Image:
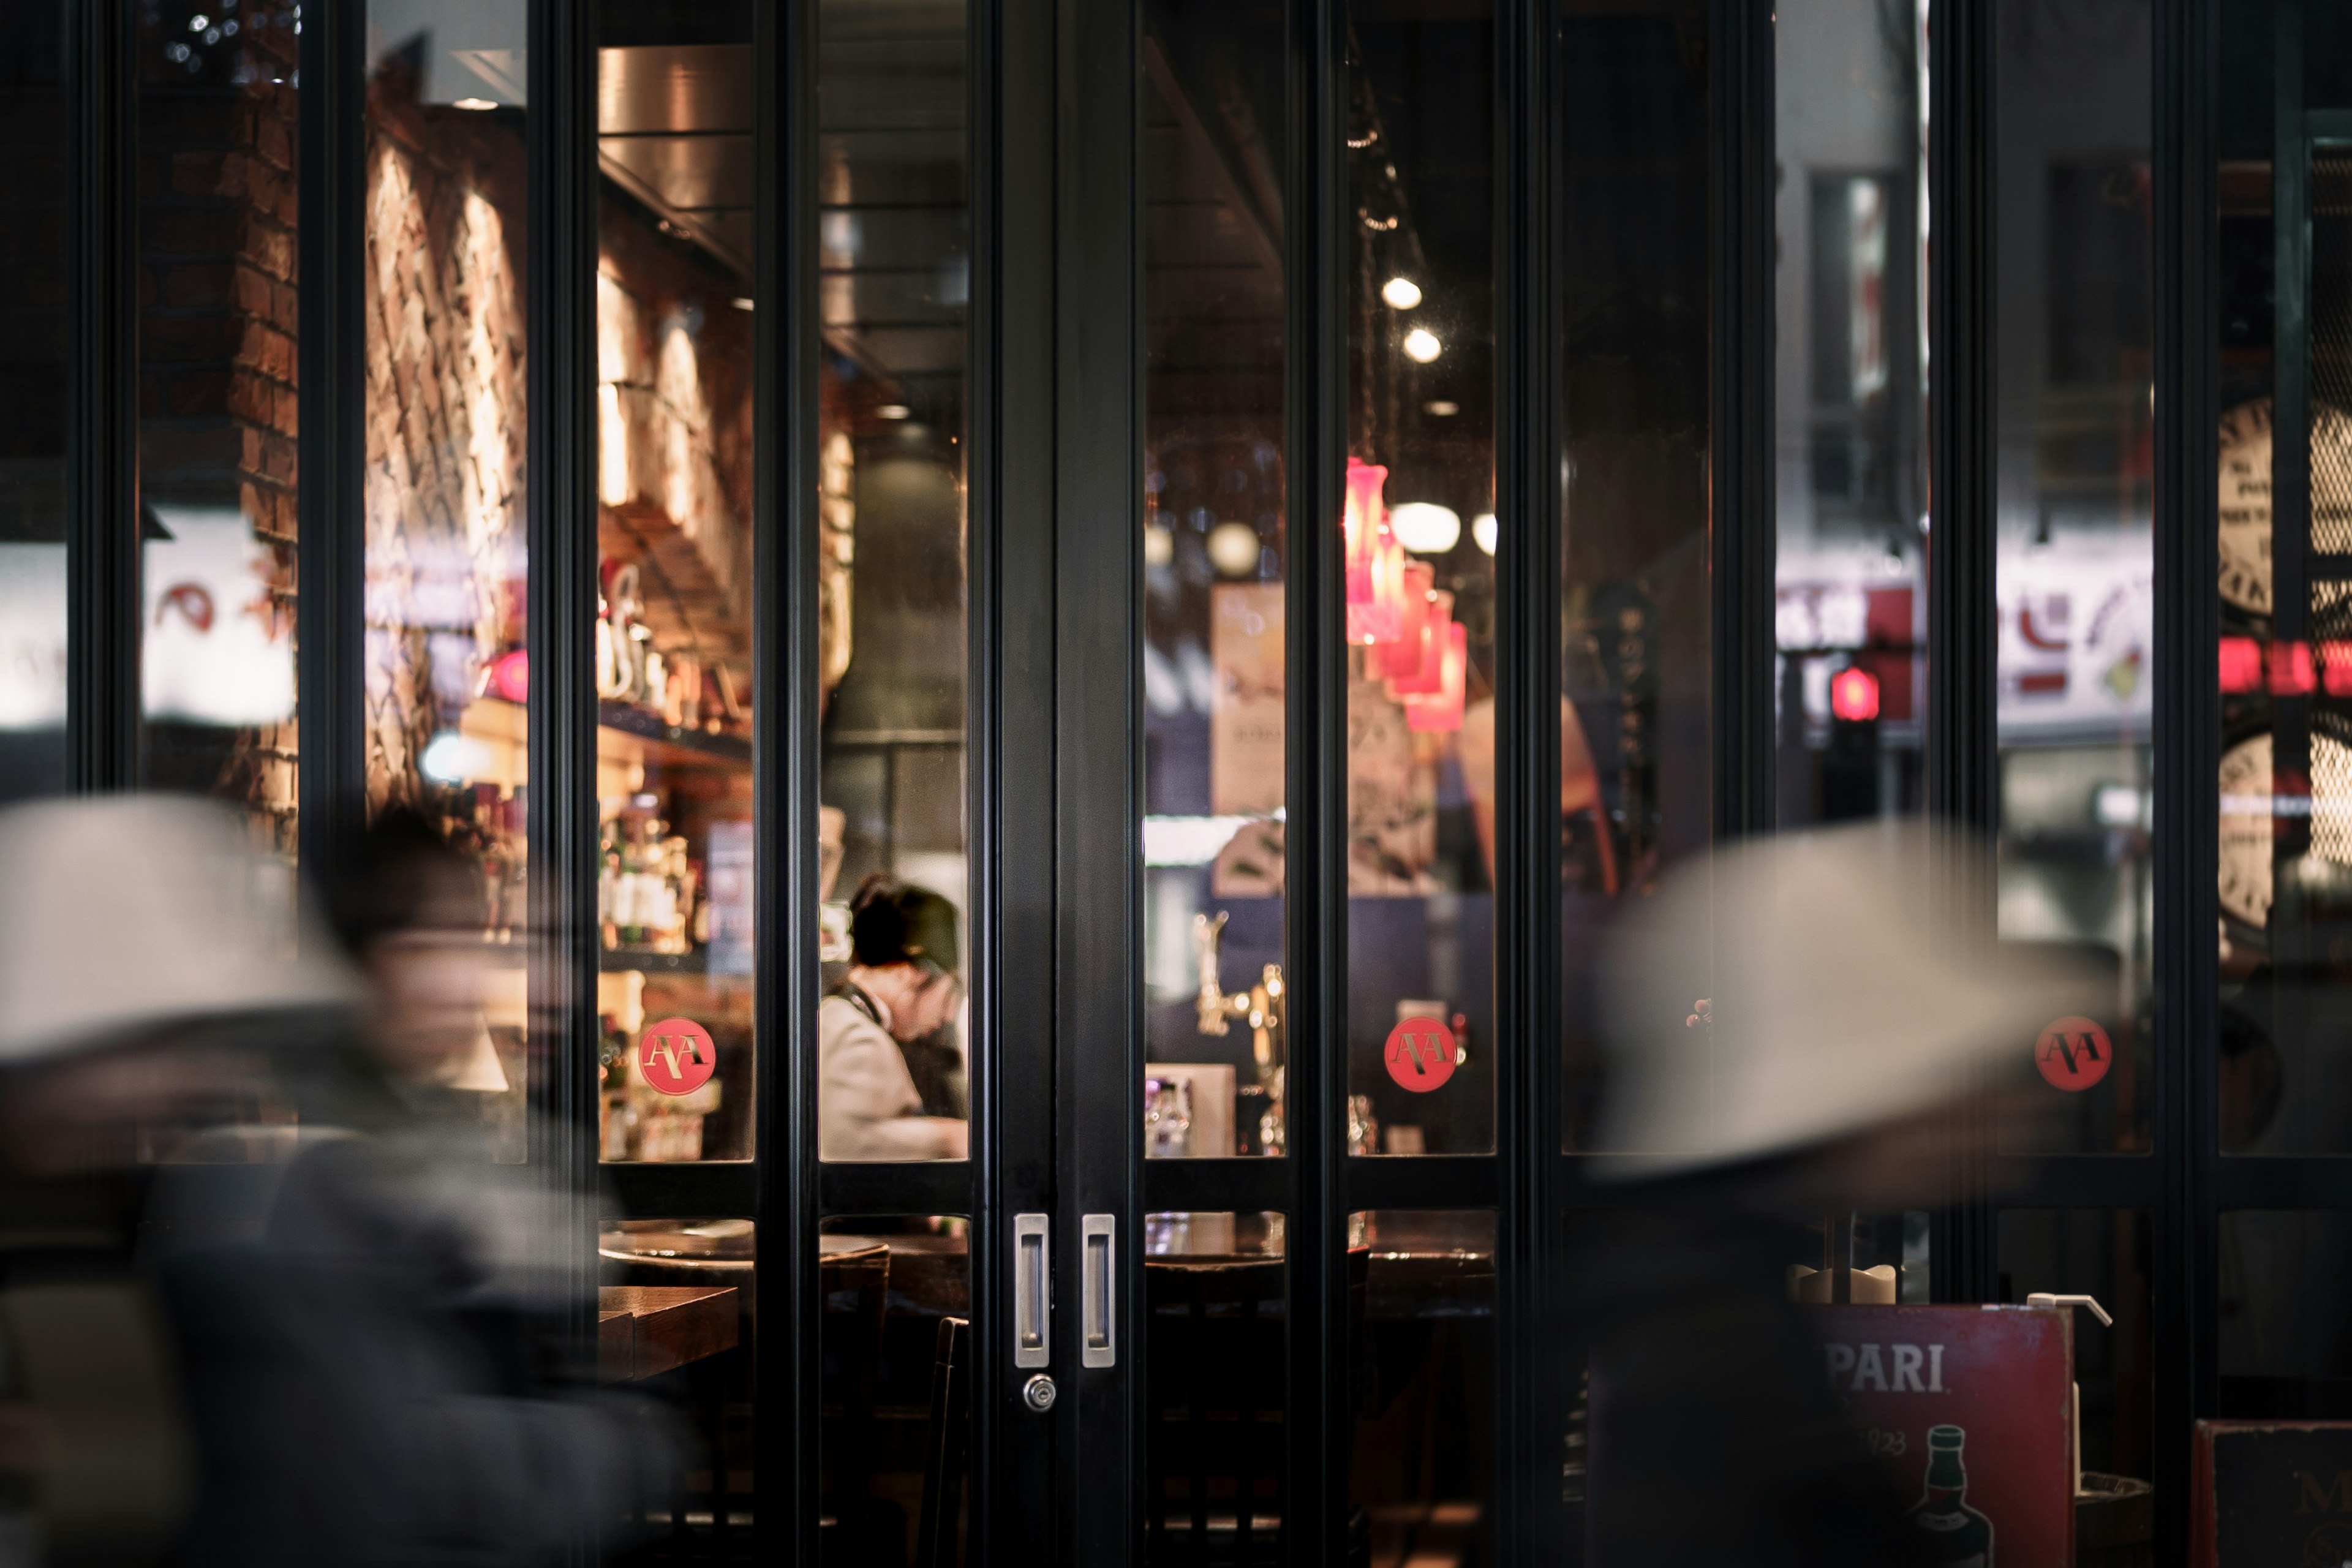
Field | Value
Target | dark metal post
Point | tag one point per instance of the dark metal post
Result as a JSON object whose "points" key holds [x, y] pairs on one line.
{"points": [[1740, 499], [561, 533], [787, 981], [1534, 1365], [2187, 742], [1315, 222], [102, 390], [333, 455], [1098, 755], [1014, 798], [1962, 761]]}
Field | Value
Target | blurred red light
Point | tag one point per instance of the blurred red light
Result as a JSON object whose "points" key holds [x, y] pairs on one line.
{"points": [[2291, 672], [1854, 695], [2242, 664]]}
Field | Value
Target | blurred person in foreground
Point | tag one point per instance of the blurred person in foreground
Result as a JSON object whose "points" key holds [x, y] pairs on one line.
{"points": [[1846, 1050], [900, 995], [350, 1355]]}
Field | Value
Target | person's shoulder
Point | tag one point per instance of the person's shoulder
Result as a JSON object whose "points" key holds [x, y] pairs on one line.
{"points": [[841, 1018]]}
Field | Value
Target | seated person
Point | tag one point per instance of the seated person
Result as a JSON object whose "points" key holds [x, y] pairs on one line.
{"points": [[902, 988]]}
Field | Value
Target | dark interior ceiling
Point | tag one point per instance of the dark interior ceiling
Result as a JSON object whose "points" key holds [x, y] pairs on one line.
{"points": [[676, 117]]}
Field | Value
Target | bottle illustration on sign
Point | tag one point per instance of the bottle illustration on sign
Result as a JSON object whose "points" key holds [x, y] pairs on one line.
{"points": [[1957, 1535]]}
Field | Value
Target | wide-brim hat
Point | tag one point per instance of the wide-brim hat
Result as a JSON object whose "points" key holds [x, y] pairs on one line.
{"points": [[1837, 999], [131, 913]]}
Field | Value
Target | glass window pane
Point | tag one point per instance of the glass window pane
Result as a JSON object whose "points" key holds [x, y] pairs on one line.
{"points": [[1214, 552], [1422, 1467], [444, 712], [1635, 726], [2283, 872], [2076, 553], [33, 328], [1850, 388], [894, 251], [895, 1389], [2103, 1254], [2284, 1351], [216, 405], [1214, 1459], [671, 1266], [675, 697], [1420, 533]]}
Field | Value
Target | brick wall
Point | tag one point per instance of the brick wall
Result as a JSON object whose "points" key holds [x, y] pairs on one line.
{"points": [[217, 316], [446, 418]]}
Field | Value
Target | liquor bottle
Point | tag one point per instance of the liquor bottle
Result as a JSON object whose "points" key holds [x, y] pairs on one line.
{"points": [[1957, 1534]]}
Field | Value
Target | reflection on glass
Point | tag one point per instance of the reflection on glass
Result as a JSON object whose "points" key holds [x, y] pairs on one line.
{"points": [[895, 1396], [32, 410], [216, 405], [2076, 557], [1635, 654], [696, 1356], [2285, 576], [1214, 1459], [1420, 538], [2103, 1254], [895, 258], [1423, 1463], [443, 522], [676, 562], [2283, 1351], [1851, 389], [1213, 553]]}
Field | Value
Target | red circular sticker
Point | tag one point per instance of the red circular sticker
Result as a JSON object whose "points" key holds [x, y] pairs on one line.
{"points": [[1421, 1054], [2073, 1053], [676, 1056]]}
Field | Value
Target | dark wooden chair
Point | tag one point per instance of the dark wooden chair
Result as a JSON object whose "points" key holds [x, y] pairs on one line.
{"points": [[1214, 1388], [939, 1539]]}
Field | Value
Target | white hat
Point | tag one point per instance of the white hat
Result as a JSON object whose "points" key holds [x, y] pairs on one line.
{"points": [[126, 913], [1834, 1005]]}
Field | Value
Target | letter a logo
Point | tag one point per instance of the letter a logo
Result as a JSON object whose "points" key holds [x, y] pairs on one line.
{"points": [[1421, 1054], [2073, 1053], [677, 1055]]}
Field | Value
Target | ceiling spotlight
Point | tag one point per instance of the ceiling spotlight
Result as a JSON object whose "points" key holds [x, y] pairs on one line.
{"points": [[1402, 293], [743, 302], [1483, 528], [1421, 345], [1425, 527], [475, 103], [1440, 409], [892, 411]]}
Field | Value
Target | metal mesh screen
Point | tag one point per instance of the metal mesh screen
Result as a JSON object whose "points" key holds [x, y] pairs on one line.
{"points": [[2331, 351]]}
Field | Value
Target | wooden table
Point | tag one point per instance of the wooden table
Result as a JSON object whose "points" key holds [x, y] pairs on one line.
{"points": [[642, 1330]]}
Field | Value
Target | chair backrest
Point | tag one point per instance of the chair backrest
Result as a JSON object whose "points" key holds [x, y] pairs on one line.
{"points": [[938, 1535], [853, 1283], [1213, 1394]]}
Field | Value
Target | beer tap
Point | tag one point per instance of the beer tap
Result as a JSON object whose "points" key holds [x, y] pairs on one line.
{"points": [[1262, 1007]]}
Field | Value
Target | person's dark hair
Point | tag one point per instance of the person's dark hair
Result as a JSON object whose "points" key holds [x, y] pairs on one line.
{"points": [[892, 921], [398, 874]]}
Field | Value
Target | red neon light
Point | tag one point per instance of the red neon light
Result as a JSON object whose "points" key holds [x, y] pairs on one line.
{"points": [[1854, 694], [2291, 671], [2336, 667], [2242, 664]]}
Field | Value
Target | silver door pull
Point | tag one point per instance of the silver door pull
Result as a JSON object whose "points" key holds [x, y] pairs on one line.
{"points": [[1101, 1345], [1033, 1290]]}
